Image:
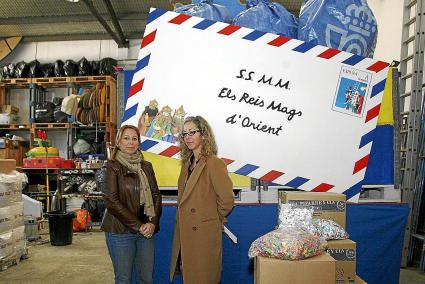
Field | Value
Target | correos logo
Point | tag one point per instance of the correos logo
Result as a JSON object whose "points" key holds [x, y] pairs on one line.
{"points": [[350, 254], [340, 205]]}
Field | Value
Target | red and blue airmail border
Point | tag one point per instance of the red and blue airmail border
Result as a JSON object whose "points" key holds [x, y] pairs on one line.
{"points": [[324, 143]]}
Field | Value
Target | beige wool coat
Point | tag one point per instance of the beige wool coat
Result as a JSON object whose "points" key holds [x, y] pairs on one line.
{"points": [[203, 204]]}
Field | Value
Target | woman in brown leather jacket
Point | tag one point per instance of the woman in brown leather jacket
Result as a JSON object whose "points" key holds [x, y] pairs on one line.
{"points": [[133, 209]]}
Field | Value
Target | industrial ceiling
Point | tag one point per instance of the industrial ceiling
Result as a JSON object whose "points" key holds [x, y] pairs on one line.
{"points": [[56, 20]]}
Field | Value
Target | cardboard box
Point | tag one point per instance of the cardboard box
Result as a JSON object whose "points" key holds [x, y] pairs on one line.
{"points": [[9, 109], [318, 269], [13, 150], [8, 118], [326, 205], [359, 280], [344, 252], [7, 166], [52, 162], [97, 165]]}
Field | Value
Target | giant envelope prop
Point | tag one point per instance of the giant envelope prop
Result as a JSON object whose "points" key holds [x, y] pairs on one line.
{"points": [[282, 110]]}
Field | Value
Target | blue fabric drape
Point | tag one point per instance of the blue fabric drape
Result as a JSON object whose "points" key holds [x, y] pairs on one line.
{"points": [[378, 230]]}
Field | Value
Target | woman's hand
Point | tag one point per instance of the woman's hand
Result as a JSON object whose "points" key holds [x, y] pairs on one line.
{"points": [[147, 230]]}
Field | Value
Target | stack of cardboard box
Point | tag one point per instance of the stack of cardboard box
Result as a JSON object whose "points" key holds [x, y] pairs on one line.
{"points": [[9, 109], [338, 265], [12, 229]]}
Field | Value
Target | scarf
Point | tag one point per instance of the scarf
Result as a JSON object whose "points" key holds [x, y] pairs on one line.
{"points": [[132, 162]]}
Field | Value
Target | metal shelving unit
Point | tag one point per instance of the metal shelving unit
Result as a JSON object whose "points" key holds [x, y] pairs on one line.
{"points": [[411, 118]]}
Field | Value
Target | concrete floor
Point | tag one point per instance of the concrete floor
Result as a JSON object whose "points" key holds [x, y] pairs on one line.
{"points": [[411, 276], [86, 260]]}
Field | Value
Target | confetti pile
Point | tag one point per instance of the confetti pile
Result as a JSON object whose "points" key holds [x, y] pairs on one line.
{"points": [[329, 230], [288, 244], [290, 217]]}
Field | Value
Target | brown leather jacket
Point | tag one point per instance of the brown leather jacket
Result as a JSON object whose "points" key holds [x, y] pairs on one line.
{"points": [[123, 213]]}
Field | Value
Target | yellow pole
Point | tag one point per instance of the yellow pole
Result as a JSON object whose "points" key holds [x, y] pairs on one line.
{"points": [[47, 178]]}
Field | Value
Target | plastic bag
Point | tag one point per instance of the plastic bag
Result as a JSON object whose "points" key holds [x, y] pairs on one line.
{"points": [[47, 70], [9, 71], [59, 72], [288, 244], [266, 16], [6, 244], [35, 70], [96, 209], [347, 25], [6, 72], [290, 217], [84, 67], [106, 66], [21, 70], [329, 230], [59, 116], [57, 101], [81, 221], [208, 10], [44, 112], [95, 68], [70, 68], [81, 147]]}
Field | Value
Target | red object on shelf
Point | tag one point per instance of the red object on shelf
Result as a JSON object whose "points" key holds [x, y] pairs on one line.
{"points": [[68, 164], [53, 162], [41, 134]]}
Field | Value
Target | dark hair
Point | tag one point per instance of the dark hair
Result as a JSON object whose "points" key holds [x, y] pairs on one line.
{"points": [[118, 138], [209, 147]]}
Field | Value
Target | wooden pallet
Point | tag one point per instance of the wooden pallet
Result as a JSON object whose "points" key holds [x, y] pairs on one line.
{"points": [[15, 126], [15, 82], [90, 79], [51, 125], [50, 80], [5, 264]]}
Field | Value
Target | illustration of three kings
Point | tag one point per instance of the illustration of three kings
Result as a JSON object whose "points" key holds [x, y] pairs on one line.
{"points": [[161, 125]]}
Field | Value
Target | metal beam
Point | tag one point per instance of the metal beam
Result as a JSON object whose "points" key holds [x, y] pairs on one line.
{"points": [[89, 4], [115, 22], [69, 37], [46, 19], [69, 19]]}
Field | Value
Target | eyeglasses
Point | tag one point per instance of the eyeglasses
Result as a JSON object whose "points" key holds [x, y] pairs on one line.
{"points": [[190, 133]]}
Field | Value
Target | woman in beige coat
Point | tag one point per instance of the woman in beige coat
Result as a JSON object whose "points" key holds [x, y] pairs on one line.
{"points": [[205, 198]]}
